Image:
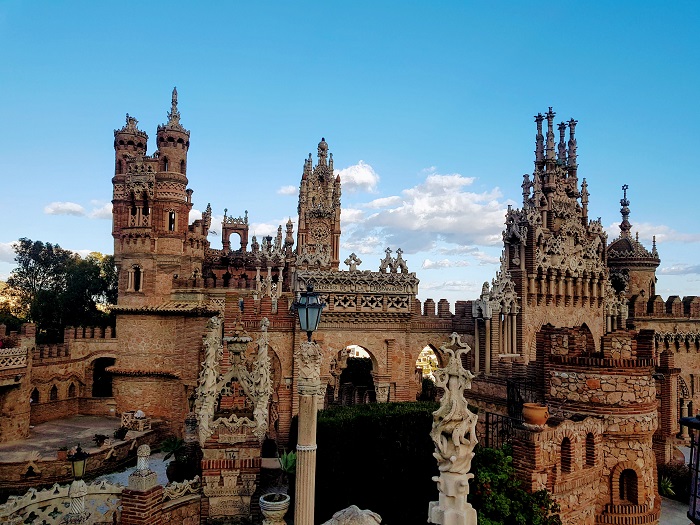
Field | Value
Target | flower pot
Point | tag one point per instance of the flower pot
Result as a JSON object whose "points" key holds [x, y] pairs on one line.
{"points": [[273, 506], [535, 414]]}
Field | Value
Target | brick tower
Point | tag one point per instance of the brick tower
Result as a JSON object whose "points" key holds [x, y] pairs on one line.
{"points": [[153, 241], [318, 238]]}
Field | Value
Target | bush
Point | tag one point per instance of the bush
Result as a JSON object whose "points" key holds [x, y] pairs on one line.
{"points": [[365, 450], [675, 476]]}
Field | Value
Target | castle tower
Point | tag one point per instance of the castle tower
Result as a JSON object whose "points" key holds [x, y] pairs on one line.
{"points": [[153, 241], [318, 236], [632, 266], [553, 267]]}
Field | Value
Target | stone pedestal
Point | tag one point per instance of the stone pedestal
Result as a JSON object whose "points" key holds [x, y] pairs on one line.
{"points": [[452, 507]]}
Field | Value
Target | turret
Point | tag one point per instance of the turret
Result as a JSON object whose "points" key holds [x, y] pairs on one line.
{"points": [[173, 142], [129, 142]]}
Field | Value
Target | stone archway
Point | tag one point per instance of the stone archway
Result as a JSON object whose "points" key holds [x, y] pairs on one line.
{"points": [[353, 371]]}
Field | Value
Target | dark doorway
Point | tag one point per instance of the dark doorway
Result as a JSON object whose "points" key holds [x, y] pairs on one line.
{"points": [[101, 379]]}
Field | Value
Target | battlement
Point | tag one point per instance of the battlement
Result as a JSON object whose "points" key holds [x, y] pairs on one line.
{"points": [[656, 306], [88, 332]]}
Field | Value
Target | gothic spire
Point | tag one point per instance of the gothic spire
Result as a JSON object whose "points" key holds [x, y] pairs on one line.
{"points": [[550, 135], [561, 147], [174, 114], [539, 141]]}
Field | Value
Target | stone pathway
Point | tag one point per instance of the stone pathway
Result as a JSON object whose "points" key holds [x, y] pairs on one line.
{"points": [[46, 438], [673, 512]]}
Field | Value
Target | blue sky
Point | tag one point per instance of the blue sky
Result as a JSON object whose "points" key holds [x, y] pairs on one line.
{"points": [[427, 107]]}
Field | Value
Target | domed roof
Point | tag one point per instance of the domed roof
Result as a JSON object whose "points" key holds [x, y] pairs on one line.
{"points": [[627, 250]]}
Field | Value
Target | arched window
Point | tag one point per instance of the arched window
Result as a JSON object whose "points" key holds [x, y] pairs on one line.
{"points": [[566, 455], [171, 221], [53, 393], [119, 166], [34, 397], [590, 450], [182, 167], [628, 486], [71, 390], [101, 378], [165, 163]]}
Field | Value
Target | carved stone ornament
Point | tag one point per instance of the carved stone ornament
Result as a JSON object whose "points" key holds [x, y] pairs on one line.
{"points": [[454, 435], [308, 356], [256, 382]]}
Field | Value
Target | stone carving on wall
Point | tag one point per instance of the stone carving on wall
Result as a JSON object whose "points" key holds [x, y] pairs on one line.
{"points": [[338, 364], [357, 282], [454, 435], [353, 261], [503, 297], [393, 265], [255, 381], [177, 490], [308, 356]]}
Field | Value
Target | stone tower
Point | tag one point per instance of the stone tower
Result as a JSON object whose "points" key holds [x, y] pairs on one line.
{"points": [[632, 266], [153, 240], [318, 236]]}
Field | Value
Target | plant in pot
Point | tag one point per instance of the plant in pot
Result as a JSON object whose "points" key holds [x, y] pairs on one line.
{"points": [[121, 432], [274, 504], [100, 439], [187, 459]]}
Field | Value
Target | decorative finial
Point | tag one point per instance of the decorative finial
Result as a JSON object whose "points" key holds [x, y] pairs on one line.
{"points": [[322, 152], [174, 114], [550, 134], [572, 143], [539, 140], [625, 225], [562, 143]]}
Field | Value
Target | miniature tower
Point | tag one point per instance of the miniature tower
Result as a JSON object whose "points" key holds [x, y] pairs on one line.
{"points": [[153, 241], [318, 237]]}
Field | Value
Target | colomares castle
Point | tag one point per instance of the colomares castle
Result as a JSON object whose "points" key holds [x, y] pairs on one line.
{"points": [[205, 336]]}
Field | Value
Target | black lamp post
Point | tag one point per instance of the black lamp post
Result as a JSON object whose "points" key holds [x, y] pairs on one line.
{"points": [[309, 309], [78, 489], [79, 462], [693, 423]]}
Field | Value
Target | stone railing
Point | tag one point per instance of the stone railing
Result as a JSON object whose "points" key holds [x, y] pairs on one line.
{"points": [[13, 358], [49, 506]]}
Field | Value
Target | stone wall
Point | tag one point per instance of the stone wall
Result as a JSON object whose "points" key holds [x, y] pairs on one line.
{"points": [[601, 388]]}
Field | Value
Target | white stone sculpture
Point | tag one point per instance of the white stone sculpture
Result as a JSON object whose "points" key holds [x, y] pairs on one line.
{"points": [[353, 515], [454, 435]]}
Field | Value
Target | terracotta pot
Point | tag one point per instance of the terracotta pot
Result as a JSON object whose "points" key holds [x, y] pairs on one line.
{"points": [[535, 414], [274, 506]]}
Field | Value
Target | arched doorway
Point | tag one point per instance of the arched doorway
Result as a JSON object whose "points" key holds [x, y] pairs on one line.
{"points": [[101, 378], [426, 365], [352, 381]]}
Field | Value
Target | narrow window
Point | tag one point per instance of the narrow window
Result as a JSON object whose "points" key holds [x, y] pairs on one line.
{"points": [[34, 398], [182, 167], [53, 393], [137, 279], [566, 455], [165, 163], [119, 166], [590, 450], [171, 221], [71, 390]]}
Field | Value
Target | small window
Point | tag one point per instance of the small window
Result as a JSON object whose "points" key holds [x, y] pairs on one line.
{"points": [[171, 221], [590, 450], [53, 393], [182, 167], [71, 390], [34, 398], [165, 163], [628, 486], [566, 455], [137, 279], [119, 166]]}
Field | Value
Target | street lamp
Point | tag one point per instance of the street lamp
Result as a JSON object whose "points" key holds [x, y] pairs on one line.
{"points": [[694, 505], [78, 489], [309, 310], [308, 359]]}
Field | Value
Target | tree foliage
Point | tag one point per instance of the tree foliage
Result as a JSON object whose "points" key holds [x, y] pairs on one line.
{"points": [[56, 288]]}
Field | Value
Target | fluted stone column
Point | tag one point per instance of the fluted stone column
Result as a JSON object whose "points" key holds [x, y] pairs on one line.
{"points": [[308, 357]]}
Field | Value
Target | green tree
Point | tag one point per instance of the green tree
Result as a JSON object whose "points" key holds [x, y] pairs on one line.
{"points": [[59, 288]]}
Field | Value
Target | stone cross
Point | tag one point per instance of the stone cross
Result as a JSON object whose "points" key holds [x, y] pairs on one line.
{"points": [[353, 262]]}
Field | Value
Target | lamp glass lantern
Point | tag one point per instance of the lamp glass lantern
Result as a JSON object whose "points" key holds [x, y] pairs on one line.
{"points": [[309, 309], [79, 462], [693, 423]]}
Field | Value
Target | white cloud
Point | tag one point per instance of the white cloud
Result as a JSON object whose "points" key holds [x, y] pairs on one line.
{"points": [[287, 190], [384, 202], [680, 269], [101, 212], [444, 263], [359, 177], [441, 209], [469, 287], [7, 252], [351, 216], [366, 245], [64, 208], [647, 232]]}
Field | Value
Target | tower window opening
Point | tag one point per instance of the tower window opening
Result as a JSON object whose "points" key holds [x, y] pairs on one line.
{"points": [[71, 390], [628, 486], [53, 393], [146, 209], [165, 163], [590, 450], [171, 221], [182, 167], [34, 397], [137, 279], [566, 455], [119, 167]]}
